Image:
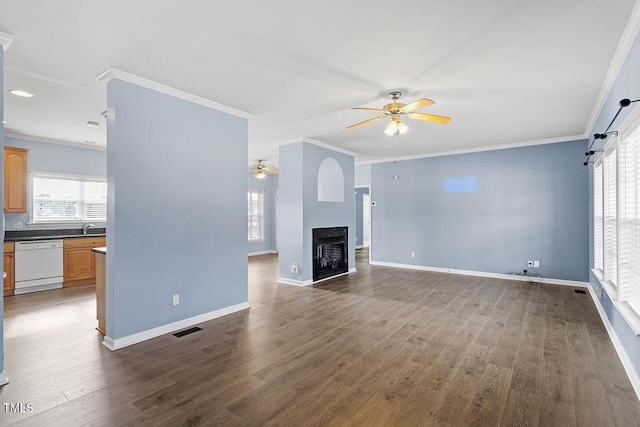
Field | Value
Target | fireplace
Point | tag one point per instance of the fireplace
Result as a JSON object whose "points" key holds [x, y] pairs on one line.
{"points": [[330, 252]]}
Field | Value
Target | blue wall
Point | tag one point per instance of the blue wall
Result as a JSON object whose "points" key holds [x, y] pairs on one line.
{"points": [[627, 85], [530, 204], [269, 185], [168, 158], [299, 164], [363, 174], [359, 220], [56, 158]]}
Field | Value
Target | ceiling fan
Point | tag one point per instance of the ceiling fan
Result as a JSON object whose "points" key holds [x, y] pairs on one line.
{"points": [[396, 109], [261, 169]]}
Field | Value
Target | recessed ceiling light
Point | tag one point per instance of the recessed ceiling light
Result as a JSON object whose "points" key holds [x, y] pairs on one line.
{"points": [[21, 93], [93, 124], [3, 122]]}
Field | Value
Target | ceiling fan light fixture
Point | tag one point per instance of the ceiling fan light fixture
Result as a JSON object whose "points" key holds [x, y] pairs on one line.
{"points": [[402, 128], [392, 128], [260, 174]]}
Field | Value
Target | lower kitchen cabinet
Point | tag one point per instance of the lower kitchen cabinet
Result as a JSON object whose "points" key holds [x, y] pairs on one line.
{"points": [[80, 261], [9, 267]]}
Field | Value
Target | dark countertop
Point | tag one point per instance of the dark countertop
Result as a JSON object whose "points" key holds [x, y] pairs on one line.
{"points": [[21, 236], [102, 250]]}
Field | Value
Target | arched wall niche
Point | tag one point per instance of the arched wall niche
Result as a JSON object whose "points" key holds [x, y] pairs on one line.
{"points": [[330, 181]]}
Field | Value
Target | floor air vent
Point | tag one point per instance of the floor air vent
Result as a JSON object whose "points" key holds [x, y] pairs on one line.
{"points": [[187, 332], [579, 291]]}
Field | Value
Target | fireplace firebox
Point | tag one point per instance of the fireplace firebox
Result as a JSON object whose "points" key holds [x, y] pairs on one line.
{"points": [[330, 252]]}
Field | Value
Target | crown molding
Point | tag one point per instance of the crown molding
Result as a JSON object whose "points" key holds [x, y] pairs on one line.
{"points": [[479, 149], [628, 37], [24, 137], [5, 40], [319, 144], [112, 73]]}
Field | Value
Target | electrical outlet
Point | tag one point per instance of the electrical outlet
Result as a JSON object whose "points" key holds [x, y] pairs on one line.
{"points": [[413, 254], [176, 299], [294, 268], [529, 263], [17, 224], [536, 264]]}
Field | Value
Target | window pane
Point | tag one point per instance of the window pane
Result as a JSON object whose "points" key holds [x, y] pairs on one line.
{"points": [[68, 199]]}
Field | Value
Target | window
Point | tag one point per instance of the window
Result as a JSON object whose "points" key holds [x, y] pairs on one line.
{"points": [[598, 219], [616, 195], [66, 198], [629, 259], [255, 200], [610, 218]]}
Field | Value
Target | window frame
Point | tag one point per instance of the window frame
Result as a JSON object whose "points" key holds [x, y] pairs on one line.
{"points": [[74, 177], [629, 127], [260, 215]]}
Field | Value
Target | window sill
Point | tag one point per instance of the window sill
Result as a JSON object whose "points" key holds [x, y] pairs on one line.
{"points": [[72, 223], [257, 241], [627, 313]]}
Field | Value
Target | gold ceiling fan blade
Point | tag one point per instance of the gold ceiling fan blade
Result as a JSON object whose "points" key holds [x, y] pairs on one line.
{"points": [[366, 122], [270, 170], [378, 110], [430, 117], [416, 104]]}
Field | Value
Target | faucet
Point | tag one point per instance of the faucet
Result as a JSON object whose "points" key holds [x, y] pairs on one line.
{"points": [[86, 226]]}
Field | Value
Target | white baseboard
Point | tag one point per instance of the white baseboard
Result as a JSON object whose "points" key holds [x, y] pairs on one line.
{"points": [[262, 253], [480, 274], [114, 344], [310, 282], [3, 378], [617, 344], [290, 281]]}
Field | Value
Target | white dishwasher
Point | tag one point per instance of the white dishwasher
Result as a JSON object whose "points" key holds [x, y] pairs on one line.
{"points": [[38, 266]]}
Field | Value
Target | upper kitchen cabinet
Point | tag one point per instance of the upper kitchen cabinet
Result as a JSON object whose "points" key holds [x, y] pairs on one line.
{"points": [[15, 179]]}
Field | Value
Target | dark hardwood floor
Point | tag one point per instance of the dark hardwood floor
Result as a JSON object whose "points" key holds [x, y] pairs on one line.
{"points": [[379, 347]]}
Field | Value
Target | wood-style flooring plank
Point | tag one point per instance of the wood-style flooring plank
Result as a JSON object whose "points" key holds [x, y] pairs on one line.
{"points": [[383, 346]]}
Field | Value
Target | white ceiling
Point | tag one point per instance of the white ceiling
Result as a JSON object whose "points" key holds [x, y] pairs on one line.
{"points": [[506, 71]]}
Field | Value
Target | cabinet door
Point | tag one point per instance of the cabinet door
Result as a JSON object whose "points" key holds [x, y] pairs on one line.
{"points": [[15, 180], [9, 283], [79, 265]]}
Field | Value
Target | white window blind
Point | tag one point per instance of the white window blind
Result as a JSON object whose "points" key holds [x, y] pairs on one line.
{"points": [[57, 198], [610, 217], [629, 250], [255, 199], [597, 218]]}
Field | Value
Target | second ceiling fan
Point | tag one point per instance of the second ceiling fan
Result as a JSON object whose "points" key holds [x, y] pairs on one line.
{"points": [[397, 109]]}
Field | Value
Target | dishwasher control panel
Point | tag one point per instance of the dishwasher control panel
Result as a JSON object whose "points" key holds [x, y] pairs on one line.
{"points": [[38, 244]]}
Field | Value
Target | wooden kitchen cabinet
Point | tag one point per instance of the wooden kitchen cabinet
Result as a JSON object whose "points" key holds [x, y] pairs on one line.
{"points": [[80, 261], [9, 268], [15, 179]]}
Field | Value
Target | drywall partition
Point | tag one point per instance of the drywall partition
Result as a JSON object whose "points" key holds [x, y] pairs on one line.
{"points": [[302, 212], [528, 203], [168, 158], [627, 85], [56, 158], [363, 174]]}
